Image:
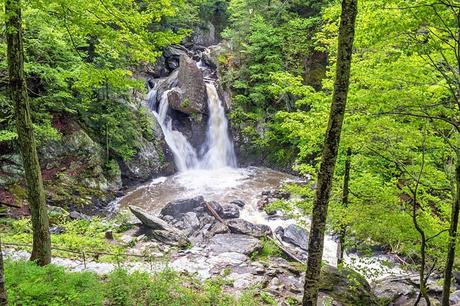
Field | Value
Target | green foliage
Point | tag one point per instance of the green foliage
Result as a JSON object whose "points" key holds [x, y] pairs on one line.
{"points": [[78, 235], [28, 284], [79, 61]]}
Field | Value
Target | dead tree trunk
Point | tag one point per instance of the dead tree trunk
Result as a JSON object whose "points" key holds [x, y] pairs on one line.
{"points": [[329, 154], [41, 252]]}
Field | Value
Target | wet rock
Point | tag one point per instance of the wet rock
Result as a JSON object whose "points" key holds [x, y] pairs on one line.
{"points": [[295, 235], [193, 96], [174, 238], [190, 222], [216, 228], [239, 203], [216, 207], [230, 211], [243, 244], [75, 215], [151, 221], [179, 207], [240, 226]]}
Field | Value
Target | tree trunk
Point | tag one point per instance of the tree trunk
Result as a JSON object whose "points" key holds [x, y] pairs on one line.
{"points": [[329, 154], [41, 251], [452, 236], [345, 193], [3, 298]]}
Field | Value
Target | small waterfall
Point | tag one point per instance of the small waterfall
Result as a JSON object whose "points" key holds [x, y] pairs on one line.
{"points": [[219, 152], [185, 155]]}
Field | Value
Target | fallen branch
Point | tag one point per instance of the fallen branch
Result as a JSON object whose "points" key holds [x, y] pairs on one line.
{"points": [[215, 214], [286, 251]]}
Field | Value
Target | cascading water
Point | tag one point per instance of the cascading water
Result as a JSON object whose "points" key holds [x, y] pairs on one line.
{"points": [[219, 152], [185, 155]]}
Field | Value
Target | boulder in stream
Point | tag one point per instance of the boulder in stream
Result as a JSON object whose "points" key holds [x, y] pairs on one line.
{"points": [[222, 243], [240, 226], [294, 235], [179, 207]]}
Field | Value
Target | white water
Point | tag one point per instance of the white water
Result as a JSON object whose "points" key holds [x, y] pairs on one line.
{"points": [[185, 155], [219, 152]]}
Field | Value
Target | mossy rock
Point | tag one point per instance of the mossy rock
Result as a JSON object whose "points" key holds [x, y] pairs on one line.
{"points": [[346, 286]]}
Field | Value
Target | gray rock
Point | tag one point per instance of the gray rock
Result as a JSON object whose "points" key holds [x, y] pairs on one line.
{"points": [[455, 298], [191, 222], [150, 220], [295, 235], [75, 215], [179, 207], [240, 226], [174, 238], [222, 243], [57, 230], [216, 207], [191, 82], [230, 211], [238, 203]]}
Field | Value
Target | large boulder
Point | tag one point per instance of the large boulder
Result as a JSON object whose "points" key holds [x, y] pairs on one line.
{"points": [[149, 220], [179, 207], [240, 226], [346, 286], [222, 243], [294, 235], [192, 96], [161, 230]]}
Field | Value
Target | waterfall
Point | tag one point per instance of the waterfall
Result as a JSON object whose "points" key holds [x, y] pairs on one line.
{"points": [[218, 148], [185, 155], [220, 152]]}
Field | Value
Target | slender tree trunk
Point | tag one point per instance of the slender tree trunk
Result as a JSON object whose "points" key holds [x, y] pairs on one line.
{"points": [[329, 154], [345, 193], [41, 251], [452, 236], [3, 298]]}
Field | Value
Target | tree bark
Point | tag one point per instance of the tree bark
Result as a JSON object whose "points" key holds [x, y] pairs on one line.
{"points": [[329, 154], [452, 236], [41, 251], [3, 297], [345, 193]]}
